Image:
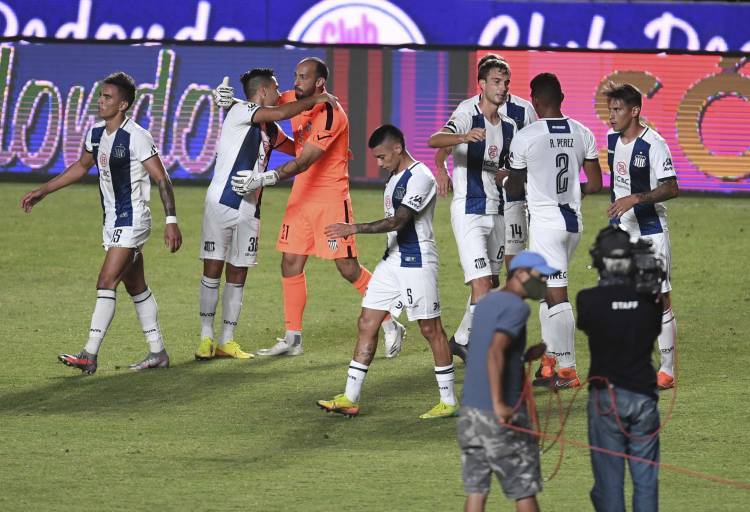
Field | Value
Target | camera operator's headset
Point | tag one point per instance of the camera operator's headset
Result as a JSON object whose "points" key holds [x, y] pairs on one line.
{"points": [[611, 242]]}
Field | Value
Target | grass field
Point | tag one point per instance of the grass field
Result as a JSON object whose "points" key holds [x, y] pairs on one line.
{"points": [[246, 435]]}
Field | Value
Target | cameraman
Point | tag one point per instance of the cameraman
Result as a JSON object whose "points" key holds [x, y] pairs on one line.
{"points": [[622, 318]]}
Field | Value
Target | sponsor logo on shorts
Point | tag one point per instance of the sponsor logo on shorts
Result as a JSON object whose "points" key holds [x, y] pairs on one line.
{"points": [[333, 244], [209, 246], [480, 263]]}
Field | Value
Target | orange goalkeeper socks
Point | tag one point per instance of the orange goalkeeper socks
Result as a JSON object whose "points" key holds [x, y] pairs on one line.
{"points": [[295, 298], [362, 281]]}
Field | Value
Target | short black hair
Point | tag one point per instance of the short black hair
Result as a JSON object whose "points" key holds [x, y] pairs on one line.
{"points": [[490, 64], [546, 88], [321, 68], [489, 56], [628, 93], [387, 131], [255, 78], [124, 83]]}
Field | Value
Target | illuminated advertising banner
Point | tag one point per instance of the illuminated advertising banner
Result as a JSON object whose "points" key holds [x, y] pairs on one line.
{"points": [[699, 103], [715, 27]]}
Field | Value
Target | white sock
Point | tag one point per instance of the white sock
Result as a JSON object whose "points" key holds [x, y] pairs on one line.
{"points": [[293, 338], [147, 312], [464, 329], [231, 305], [547, 337], [104, 312], [354, 380], [446, 378], [562, 328], [666, 342], [208, 298]]}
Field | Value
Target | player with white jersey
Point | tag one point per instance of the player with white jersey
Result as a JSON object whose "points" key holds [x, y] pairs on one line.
{"points": [[549, 155], [407, 273], [231, 222], [480, 142], [125, 156], [523, 113], [643, 177]]}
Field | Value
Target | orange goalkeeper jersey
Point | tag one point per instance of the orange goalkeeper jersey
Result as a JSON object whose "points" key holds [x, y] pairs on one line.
{"points": [[327, 179]]}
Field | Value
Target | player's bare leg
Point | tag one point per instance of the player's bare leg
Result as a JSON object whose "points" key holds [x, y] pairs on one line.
{"points": [[475, 502], [364, 352], [116, 262], [480, 287], [147, 312], [359, 276]]}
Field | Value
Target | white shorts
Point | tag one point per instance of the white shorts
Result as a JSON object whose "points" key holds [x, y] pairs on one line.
{"points": [[480, 240], [662, 249], [557, 247], [230, 235], [415, 288], [516, 227], [126, 236]]}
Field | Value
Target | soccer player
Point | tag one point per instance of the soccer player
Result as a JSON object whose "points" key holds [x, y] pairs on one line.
{"points": [[319, 197], [125, 156], [549, 154], [643, 177], [231, 222], [481, 141], [408, 272]]}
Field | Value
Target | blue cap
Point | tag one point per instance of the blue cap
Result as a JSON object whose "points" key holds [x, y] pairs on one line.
{"points": [[533, 260]]}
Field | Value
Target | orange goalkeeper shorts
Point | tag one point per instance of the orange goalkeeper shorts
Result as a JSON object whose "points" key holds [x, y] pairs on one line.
{"points": [[303, 229]]}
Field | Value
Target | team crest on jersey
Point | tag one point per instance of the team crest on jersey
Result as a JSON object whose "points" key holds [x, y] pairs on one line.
{"points": [[119, 151], [621, 169], [639, 160], [333, 244], [492, 151], [399, 193]]}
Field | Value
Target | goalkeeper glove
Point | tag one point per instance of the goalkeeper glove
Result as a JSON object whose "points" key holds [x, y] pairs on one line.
{"points": [[247, 181], [224, 94]]}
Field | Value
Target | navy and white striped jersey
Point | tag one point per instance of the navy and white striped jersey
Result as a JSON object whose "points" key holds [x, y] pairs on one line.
{"points": [[639, 166], [124, 183], [476, 163], [551, 153], [518, 109], [414, 244], [243, 145]]}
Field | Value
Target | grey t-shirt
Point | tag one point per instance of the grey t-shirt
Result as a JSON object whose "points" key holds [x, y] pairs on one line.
{"points": [[504, 312]]}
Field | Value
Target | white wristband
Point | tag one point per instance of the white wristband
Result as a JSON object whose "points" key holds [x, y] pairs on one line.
{"points": [[171, 219]]}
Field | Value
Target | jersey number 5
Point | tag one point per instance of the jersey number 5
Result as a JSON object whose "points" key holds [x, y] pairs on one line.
{"points": [[562, 162]]}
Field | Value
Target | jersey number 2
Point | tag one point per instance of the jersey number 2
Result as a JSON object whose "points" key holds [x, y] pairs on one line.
{"points": [[562, 162]]}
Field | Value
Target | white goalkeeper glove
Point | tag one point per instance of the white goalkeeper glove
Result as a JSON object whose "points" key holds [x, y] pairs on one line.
{"points": [[247, 181], [224, 94]]}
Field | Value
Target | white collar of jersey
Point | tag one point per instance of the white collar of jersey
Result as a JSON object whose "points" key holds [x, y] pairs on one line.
{"points": [[124, 122]]}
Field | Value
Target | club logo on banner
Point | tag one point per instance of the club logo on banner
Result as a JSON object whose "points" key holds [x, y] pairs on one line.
{"points": [[356, 22]]}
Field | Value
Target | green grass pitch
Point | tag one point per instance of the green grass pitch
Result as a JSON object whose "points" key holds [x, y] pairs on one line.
{"points": [[246, 435]]}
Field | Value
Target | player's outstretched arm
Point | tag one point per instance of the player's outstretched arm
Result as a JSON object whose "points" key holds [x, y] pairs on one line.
{"points": [[444, 184], [402, 216], [446, 138], [246, 181], [172, 234], [593, 173], [291, 109], [667, 189], [70, 175]]}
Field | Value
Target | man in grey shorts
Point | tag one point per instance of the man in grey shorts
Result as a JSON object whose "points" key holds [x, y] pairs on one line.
{"points": [[492, 392]]}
